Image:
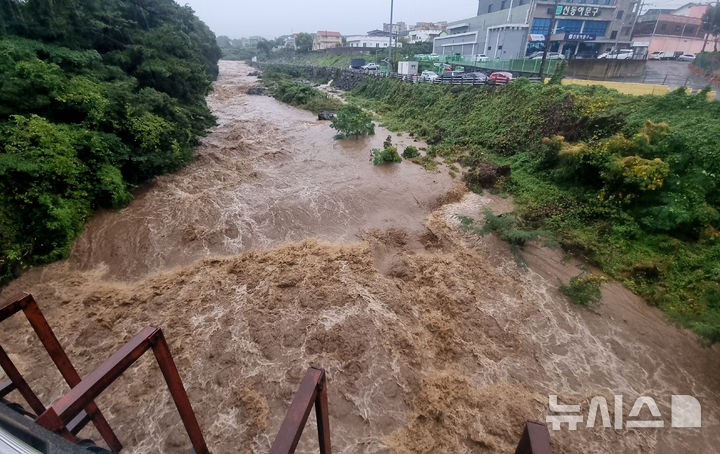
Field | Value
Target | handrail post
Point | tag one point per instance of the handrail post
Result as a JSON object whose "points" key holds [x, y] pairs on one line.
{"points": [[535, 439], [323, 417], [178, 393], [311, 392]]}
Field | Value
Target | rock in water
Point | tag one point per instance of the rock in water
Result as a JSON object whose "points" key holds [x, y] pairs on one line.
{"points": [[325, 115], [256, 90], [486, 174]]}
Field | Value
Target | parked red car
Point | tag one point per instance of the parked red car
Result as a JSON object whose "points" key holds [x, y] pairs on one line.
{"points": [[500, 77]]}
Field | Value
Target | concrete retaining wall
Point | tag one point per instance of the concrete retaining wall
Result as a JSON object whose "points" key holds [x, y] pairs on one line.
{"points": [[605, 69]]}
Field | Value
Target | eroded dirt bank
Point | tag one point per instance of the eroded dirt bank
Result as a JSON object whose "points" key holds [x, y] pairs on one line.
{"points": [[433, 340]]}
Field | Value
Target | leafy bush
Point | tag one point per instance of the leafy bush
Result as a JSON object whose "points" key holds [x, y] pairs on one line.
{"points": [[304, 96], [410, 152], [583, 289], [388, 154], [353, 121], [506, 226]]}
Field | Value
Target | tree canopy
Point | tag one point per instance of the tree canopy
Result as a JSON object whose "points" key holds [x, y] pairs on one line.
{"points": [[711, 23], [96, 96], [304, 42]]}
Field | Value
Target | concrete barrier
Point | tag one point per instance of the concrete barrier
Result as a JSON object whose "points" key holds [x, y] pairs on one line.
{"points": [[605, 69]]}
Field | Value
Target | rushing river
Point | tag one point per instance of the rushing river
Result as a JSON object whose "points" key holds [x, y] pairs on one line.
{"points": [[280, 247]]}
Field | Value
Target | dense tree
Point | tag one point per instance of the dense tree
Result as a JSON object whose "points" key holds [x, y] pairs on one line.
{"points": [[264, 47], [95, 96], [711, 24], [304, 42]]}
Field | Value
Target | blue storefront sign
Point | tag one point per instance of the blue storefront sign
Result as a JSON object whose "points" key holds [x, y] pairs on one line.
{"points": [[579, 37]]}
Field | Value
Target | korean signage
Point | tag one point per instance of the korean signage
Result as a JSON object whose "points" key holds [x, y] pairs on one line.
{"points": [[579, 37], [577, 11]]}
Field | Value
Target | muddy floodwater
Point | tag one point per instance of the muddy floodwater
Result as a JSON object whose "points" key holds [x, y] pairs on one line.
{"points": [[281, 248]]}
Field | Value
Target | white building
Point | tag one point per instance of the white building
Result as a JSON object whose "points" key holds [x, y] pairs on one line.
{"points": [[370, 41], [423, 36]]}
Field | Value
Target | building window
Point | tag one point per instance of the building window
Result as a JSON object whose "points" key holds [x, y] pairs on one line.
{"points": [[690, 30], [620, 14], [490, 7], [678, 28], [503, 4], [613, 34], [663, 27], [540, 26], [568, 26], [597, 28]]}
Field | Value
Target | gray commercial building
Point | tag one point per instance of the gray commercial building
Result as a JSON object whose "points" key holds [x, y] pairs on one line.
{"points": [[516, 28]]}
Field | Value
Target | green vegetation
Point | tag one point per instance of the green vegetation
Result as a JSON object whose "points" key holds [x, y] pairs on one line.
{"points": [[388, 154], [583, 289], [709, 62], [95, 97], [630, 183], [410, 152], [282, 83], [304, 42], [508, 228], [353, 121], [320, 59], [303, 96]]}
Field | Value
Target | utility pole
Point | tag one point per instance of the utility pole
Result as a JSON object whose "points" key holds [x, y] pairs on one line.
{"points": [[547, 40], [635, 19], [391, 36]]}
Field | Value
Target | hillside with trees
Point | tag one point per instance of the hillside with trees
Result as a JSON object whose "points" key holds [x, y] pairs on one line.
{"points": [[96, 97]]}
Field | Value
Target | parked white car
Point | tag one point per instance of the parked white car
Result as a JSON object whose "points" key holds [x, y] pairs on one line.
{"points": [[622, 54], [550, 56], [686, 57], [370, 67], [660, 55], [428, 76]]}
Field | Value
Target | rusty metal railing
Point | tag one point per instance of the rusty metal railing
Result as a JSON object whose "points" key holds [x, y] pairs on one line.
{"points": [[312, 392], [535, 439], [69, 414], [26, 303]]}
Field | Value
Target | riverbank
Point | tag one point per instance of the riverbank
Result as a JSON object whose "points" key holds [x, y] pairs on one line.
{"points": [[280, 247], [638, 199]]}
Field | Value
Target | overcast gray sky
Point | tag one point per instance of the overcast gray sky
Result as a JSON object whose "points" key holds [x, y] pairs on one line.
{"points": [[271, 18]]}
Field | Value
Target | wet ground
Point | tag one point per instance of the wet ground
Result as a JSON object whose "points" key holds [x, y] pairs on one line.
{"points": [[281, 247]]}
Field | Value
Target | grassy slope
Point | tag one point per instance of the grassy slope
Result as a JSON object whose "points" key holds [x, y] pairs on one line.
{"points": [[662, 243]]}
